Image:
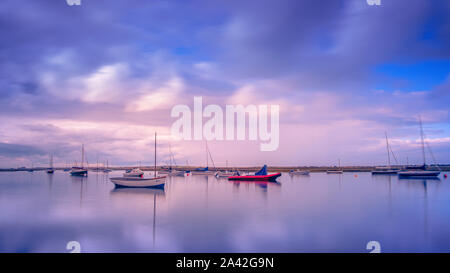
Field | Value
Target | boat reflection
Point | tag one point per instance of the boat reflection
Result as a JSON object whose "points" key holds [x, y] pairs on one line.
{"points": [[141, 197]]}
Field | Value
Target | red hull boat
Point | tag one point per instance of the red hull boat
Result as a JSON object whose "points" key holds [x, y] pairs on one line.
{"points": [[267, 177]]}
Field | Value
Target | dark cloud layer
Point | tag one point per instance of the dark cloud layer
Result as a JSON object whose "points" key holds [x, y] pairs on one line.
{"points": [[52, 56]]}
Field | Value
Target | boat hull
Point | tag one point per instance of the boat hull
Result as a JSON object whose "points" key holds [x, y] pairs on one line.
{"points": [[133, 175], [79, 173], [419, 174], [132, 182], [385, 172], [299, 173], [335, 172], [202, 172], [269, 177]]}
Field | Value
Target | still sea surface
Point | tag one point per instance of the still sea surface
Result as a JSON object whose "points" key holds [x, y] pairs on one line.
{"points": [[40, 212]]}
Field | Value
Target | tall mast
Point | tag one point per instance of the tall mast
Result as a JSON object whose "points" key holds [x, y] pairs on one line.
{"points": [[155, 154], [51, 161], [206, 148], [82, 155], [170, 155], [387, 147], [423, 142]]}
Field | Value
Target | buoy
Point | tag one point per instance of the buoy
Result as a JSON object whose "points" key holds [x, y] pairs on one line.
{"points": [[356, 175], [445, 175]]}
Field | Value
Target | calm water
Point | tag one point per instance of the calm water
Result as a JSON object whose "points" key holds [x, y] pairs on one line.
{"points": [[319, 213]]}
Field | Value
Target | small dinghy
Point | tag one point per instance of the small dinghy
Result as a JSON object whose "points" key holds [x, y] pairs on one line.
{"points": [[261, 175], [134, 173]]}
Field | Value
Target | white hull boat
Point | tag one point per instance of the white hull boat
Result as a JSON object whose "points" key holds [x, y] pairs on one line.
{"points": [[225, 174], [298, 172], [136, 182], [139, 181]]}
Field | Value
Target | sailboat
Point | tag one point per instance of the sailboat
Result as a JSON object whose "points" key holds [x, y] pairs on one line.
{"points": [[205, 171], [421, 172], [107, 170], [80, 171], [338, 171], [226, 173], [139, 182], [384, 170], [51, 170]]}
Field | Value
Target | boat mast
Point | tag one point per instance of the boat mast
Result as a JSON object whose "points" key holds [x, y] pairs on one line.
{"points": [[51, 161], [423, 142], [387, 147], [155, 154], [206, 149], [82, 155]]}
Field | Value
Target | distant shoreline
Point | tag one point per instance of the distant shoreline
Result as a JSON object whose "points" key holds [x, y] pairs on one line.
{"points": [[443, 167]]}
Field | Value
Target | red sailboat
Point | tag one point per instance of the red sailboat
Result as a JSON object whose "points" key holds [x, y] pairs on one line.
{"points": [[261, 175]]}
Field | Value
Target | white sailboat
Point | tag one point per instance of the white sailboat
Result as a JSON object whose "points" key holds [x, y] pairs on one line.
{"points": [[420, 173], [388, 169], [139, 182]]}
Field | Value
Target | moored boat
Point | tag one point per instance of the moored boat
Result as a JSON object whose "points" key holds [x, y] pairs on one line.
{"points": [[418, 174], [388, 169], [261, 175], [226, 174], [140, 182], [51, 170], [80, 171], [336, 171], [298, 172], [421, 172]]}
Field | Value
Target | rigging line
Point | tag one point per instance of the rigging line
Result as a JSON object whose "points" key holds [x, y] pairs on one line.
{"points": [[393, 155], [432, 156], [209, 152], [431, 153]]}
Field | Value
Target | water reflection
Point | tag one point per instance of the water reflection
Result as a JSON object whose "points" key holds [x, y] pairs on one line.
{"points": [[319, 213], [141, 196]]}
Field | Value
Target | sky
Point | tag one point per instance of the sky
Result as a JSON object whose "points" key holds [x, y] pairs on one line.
{"points": [[107, 73]]}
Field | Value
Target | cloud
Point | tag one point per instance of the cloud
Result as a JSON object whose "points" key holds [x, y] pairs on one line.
{"points": [[109, 75]]}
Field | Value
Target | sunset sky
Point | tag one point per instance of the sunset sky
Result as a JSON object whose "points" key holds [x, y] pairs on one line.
{"points": [[107, 74]]}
